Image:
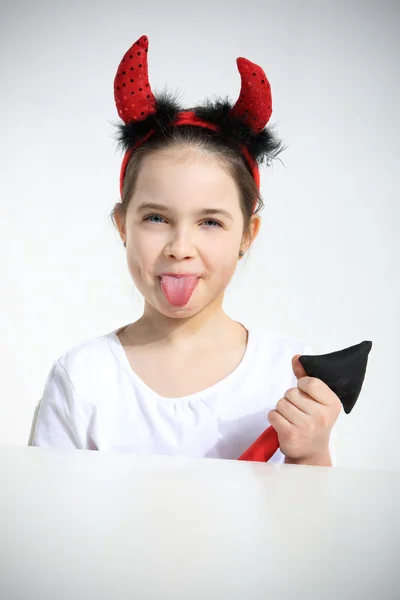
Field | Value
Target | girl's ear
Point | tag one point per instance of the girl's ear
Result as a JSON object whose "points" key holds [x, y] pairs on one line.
{"points": [[252, 232], [119, 219]]}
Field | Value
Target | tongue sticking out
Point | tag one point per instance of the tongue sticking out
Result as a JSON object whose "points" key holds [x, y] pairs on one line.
{"points": [[178, 290]]}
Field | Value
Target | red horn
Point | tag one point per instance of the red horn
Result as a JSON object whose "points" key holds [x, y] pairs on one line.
{"points": [[254, 105], [132, 92]]}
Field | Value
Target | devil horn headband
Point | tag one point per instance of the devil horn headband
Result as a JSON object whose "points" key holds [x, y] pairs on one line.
{"points": [[132, 92], [243, 123]]}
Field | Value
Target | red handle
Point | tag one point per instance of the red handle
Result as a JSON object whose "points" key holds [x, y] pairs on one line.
{"points": [[263, 448]]}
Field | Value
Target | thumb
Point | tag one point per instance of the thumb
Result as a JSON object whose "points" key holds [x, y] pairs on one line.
{"points": [[297, 367]]}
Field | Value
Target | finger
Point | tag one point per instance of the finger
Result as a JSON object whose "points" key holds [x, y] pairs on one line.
{"points": [[279, 422], [297, 367], [291, 413], [317, 390], [301, 400]]}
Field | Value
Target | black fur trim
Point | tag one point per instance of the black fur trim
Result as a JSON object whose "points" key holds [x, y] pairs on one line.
{"points": [[261, 146], [167, 108]]}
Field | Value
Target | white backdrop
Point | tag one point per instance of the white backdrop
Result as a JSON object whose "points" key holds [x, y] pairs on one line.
{"points": [[325, 267]]}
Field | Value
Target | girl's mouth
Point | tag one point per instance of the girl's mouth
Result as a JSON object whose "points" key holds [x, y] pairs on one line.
{"points": [[178, 289]]}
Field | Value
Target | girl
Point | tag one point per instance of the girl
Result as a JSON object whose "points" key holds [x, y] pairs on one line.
{"points": [[185, 378]]}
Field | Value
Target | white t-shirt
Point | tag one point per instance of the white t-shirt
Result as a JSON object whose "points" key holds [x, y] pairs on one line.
{"points": [[94, 400]]}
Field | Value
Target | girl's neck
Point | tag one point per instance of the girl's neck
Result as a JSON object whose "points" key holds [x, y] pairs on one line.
{"points": [[208, 325]]}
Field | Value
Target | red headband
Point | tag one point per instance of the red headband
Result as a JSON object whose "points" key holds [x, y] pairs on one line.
{"points": [[135, 100]]}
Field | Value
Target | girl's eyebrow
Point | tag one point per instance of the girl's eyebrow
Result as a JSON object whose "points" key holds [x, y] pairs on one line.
{"points": [[162, 207]]}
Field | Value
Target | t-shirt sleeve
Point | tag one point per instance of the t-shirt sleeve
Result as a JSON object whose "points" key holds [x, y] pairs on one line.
{"points": [[61, 421]]}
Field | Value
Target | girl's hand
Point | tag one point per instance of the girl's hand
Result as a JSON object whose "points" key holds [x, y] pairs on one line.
{"points": [[304, 417]]}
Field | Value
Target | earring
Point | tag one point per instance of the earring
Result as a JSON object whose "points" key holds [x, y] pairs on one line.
{"points": [[125, 244]]}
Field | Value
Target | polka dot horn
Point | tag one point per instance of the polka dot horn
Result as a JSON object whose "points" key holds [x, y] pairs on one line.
{"points": [[254, 105], [132, 92]]}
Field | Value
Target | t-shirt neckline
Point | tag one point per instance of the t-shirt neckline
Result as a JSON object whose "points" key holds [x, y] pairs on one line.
{"points": [[121, 356]]}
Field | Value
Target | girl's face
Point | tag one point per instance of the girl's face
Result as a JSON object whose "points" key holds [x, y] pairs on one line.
{"points": [[184, 219]]}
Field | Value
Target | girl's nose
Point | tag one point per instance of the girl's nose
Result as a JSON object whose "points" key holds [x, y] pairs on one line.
{"points": [[180, 246]]}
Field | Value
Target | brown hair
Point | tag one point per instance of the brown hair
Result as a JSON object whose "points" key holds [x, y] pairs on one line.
{"points": [[206, 141]]}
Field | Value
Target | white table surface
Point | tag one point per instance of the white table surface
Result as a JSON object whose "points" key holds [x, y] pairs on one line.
{"points": [[102, 526]]}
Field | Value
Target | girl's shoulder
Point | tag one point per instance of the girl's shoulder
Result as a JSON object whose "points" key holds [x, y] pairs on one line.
{"points": [[90, 353], [277, 341]]}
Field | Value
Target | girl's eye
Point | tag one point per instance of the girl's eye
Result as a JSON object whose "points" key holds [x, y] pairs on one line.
{"points": [[210, 223], [214, 223], [153, 217]]}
